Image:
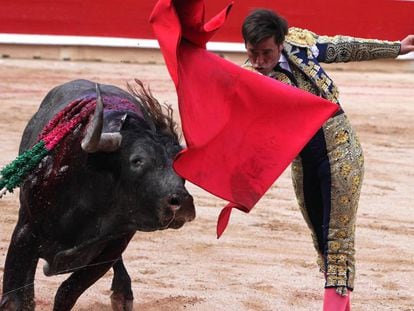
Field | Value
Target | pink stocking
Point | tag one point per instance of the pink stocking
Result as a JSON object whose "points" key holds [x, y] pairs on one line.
{"points": [[335, 302]]}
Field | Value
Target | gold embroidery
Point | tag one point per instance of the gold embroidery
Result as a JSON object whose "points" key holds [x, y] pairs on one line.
{"points": [[312, 72], [345, 48], [248, 66], [280, 76], [337, 154], [346, 162], [346, 169], [341, 137], [334, 246], [343, 219], [300, 37], [344, 200], [346, 165], [356, 181], [342, 234]]}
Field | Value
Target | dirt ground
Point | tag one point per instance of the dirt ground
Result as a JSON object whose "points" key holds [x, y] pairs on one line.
{"points": [[265, 260]]}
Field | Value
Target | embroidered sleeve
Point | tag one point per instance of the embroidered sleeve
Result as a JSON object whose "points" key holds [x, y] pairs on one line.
{"points": [[346, 49]]}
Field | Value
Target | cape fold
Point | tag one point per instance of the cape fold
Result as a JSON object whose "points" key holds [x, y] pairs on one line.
{"points": [[242, 129]]}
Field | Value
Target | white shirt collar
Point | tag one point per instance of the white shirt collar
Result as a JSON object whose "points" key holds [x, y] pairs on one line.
{"points": [[284, 62]]}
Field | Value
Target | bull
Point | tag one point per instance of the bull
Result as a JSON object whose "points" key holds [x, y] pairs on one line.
{"points": [[107, 179]]}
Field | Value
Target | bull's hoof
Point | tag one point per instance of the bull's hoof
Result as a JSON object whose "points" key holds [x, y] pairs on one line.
{"points": [[9, 304], [120, 303]]}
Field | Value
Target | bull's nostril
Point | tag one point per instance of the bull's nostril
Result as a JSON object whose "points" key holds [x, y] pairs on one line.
{"points": [[174, 201]]}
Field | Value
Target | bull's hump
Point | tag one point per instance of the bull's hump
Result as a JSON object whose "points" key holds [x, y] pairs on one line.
{"points": [[117, 103], [116, 99]]}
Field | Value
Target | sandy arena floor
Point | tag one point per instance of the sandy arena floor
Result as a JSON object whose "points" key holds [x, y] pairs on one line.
{"points": [[265, 260]]}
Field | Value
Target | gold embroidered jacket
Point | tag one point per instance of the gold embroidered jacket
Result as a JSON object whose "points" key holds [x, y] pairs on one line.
{"points": [[333, 235], [306, 50]]}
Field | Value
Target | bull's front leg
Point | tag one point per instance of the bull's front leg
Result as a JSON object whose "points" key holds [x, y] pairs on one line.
{"points": [[19, 270], [71, 289], [122, 297]]}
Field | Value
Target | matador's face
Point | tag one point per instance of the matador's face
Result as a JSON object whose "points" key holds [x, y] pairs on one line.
{"points": [[265, 55]]}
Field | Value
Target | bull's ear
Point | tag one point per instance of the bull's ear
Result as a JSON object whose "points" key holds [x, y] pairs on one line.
{"points": [[123, 120], [115, 124], [111, 140]]}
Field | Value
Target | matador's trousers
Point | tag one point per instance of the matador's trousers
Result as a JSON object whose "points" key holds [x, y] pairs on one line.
{"points": [[327, 177]]}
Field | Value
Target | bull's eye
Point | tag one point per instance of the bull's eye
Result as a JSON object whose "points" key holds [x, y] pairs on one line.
{"points": [[137, 162]]}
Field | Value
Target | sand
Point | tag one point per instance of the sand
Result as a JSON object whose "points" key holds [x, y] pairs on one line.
{"points": [[265, 260]]}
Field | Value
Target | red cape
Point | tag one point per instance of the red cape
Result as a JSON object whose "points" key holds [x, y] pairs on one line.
{"points": [[242, 129]]}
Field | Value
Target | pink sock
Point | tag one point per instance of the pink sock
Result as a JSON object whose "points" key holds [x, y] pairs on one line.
{"points": [[335, 302]]}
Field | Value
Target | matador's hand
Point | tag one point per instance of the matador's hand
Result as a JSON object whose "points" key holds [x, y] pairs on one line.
{"points": [[407, 45]]}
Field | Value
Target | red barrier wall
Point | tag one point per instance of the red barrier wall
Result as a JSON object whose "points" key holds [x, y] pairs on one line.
{"points": [[382, 19]]}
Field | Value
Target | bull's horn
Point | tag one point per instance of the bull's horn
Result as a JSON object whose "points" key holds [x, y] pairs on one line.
{"points": [[109, 142], [93, 133], [94, 140], [3, 192]]}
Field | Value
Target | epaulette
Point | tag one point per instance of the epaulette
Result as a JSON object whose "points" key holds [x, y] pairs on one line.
{"points": [[300, 37]]}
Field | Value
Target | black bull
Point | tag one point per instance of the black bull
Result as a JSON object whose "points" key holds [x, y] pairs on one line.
{"points": [[82, 205]]}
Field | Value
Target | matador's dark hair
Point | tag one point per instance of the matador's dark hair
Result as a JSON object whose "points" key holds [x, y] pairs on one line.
{"points": [[262, 24]]}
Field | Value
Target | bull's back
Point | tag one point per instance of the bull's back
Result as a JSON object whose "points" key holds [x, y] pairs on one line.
{"points": [[56, 100]]}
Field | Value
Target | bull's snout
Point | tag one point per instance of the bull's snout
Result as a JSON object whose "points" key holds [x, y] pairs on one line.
{"points": [[181, 205]]}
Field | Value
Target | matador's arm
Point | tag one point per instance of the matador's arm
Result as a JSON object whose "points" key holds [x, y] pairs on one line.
{"points": [[347, 49], [340, 48]]}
